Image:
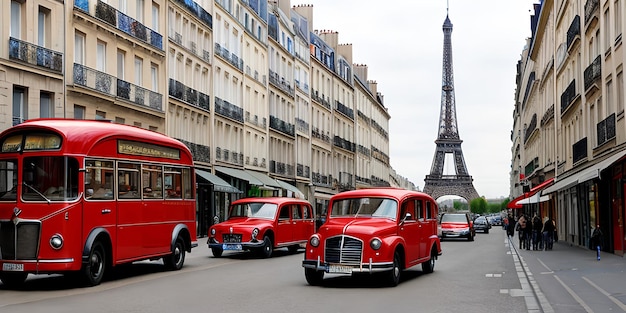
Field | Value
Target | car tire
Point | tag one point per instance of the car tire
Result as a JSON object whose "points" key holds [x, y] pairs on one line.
{"points": [[94, 269], [429, 266], [176, 259], [267, 249], [393, 276], [13, 280], [313, 277], [217, 252]]}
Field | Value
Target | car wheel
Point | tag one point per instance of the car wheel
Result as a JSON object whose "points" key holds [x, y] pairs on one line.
{"points": [[393, 278], [429, 266], [93, 271], [313, 277], [13, 280], [268, 247], [217, 252], [176, 260]]}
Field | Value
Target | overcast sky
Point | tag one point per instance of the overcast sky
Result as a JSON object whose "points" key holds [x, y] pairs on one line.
{"points": [[401, 42]]}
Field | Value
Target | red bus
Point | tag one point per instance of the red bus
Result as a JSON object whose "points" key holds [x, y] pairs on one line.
{"points": [[79, 196]]}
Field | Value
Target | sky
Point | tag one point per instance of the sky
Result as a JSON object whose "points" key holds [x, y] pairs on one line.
{"points": [[402, 45]]}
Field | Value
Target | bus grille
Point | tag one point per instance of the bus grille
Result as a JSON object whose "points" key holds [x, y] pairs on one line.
{"points": [[343, 249], [19, 242]]}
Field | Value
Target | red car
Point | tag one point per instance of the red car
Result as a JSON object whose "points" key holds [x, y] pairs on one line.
{"points": [[374, 230], [262, 225], [457, 225]]}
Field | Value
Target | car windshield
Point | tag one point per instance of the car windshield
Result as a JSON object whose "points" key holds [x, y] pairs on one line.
{"points": [[480, 220], [254, 209], [453, 218], [371, 207]]}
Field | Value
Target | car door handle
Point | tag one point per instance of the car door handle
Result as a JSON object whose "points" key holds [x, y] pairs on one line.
{"points": [[106, 211]]}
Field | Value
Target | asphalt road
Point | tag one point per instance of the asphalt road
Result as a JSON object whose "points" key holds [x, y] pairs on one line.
{"points": [[478, 276]]}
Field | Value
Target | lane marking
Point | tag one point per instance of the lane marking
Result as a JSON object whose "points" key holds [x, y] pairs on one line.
{"points": [[574, 295], [608, 295]]}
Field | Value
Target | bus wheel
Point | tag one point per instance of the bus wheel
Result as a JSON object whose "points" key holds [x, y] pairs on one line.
{"points": [[176, 260], [13, 279], [93, 271]]}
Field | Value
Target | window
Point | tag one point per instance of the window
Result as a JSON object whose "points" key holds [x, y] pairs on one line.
{"points": [[120, 120], [101, 56], [20, 105], [16, 19], [609, 96], [99, 180], [618, 19], [50, 178], [121, 56], [46, 107], [42, 26], [420, 209], [79, 112], [128, 181], [122, 6], [152, 182], [100, 115], [620, 92], [296, 213], [607, 30], [154, 77], [79, 48], [140, 6], [173, 183], [138, 71], [429, 210], [155, 17]]}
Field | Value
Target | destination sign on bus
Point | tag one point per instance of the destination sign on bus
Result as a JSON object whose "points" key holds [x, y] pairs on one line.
{"points": [[146, 149], [31, 142]]}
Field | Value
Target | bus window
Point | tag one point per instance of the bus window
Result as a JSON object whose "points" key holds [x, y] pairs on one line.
{"points": [[99, 180], [8, 180], [128, 181], [50, 179], [152, 181], [173, 182], [187, 185]]}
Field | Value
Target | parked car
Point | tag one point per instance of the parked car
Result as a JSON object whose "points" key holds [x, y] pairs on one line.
{"points": [[374, 230], [482, 224], [457, 225], [262, 225], [495, 220]]}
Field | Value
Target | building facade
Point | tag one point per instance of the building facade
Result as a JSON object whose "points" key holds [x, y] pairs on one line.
{"points": [[268, 105], [569, 120]]}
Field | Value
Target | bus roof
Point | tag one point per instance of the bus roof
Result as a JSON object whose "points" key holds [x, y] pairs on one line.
{"points": [[82, 135]]}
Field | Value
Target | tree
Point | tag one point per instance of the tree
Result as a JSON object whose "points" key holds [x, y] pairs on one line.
{"points": [[478, 205]]}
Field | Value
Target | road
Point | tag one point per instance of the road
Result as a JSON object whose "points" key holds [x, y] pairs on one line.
{"points": [[478, 276]]}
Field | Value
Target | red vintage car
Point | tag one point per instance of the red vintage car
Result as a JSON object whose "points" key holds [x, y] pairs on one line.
{"points": [[383, 230], [262, 225]]}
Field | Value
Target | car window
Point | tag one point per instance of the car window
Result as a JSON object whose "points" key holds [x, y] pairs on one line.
{"points": [[454, 218], [296, 212], [408, 207], [419, 204], [284, 212], [429, 210]]}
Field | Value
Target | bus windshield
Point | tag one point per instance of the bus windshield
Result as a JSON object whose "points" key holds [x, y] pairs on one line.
{"points": [[50, 179]]}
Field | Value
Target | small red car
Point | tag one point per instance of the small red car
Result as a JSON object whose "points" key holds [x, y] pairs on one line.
{"points": [[374, 230], [262, 225]]}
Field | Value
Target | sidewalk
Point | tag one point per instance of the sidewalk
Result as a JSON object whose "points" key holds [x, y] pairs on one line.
{"points": [[589, 284]]}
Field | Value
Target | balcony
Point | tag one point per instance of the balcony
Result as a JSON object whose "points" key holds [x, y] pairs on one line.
{"points": [[606, 130], [379, 155], [282, 126], [579, 150], [229, 110], [532, 126], [344, 110], [35, 55], [320, 180], [197, 11], [281, 83], [128, 25], [568, 96], [344, 144], [573, 32], [302, 125], [591, 18], [114, 87], [189, 95], [592, 74], [200, 153], [231, 58], [281, 168], [303, 170]]}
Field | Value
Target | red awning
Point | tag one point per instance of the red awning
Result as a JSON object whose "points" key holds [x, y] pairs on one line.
{"points": [[514, 205]]}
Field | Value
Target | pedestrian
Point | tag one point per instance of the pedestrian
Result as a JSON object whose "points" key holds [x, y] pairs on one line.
{"points": [[536, 236], [510, 225], [596, 240], [548, 233], [521, 231]]}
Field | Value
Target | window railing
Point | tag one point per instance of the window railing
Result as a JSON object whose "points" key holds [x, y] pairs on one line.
{"points": [[568, 96], [129, 25], [593, 72], [187, 94], [606, 129], [227, 109], [579, 150], [282, 126], [35, 55]]}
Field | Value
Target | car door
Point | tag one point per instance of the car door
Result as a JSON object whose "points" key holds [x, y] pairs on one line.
{"points": [[284, 228], [303, 223], [409, 228]]}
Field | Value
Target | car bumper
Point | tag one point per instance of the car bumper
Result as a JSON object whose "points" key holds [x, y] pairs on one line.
{"points": [[334, 268], [452, 234], [236, 246]]}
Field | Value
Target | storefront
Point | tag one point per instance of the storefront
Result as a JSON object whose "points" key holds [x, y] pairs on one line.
{"points": [[214, 196]]}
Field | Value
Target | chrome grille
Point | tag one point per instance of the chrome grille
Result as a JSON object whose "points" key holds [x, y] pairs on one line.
{"points": [[19, 242], [231, 238], [343, 249]]}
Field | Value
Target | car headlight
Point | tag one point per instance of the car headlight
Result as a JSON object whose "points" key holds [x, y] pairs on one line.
{"points": [[212, 231], [375, 243], [255, 232], [314, 241], [56, 241]]}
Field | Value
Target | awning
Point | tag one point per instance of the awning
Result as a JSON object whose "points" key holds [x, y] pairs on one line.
{"points": [[529, 197], [218, 183], [513, 204], [586, 174], [241, 174], [536, 198], [292, 188], [594, 170], [267, 181]]}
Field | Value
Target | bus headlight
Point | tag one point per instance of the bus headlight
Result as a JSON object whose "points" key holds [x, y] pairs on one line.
{"points": [[314, 241], [255, 232], [56, 241], [375, 243]]}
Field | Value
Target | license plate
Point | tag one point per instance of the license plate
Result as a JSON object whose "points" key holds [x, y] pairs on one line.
{"points": [[228, 246], [336, 268], [12, 267]]}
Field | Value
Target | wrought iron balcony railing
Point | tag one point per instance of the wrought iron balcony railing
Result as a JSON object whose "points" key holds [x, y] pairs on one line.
{"points": [[593, 72], [568, 96], [573, 31], [187, 94], [197, 11], [35, 55], [227, 109], [606, 129], [344, 143], [200, 153], [344, 109], [282, 126], [579, 150], [128, 25]]}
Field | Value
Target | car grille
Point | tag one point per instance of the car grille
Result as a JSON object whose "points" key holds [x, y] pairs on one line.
{"points": [[231, 238], [343, 249], [19, 242]]}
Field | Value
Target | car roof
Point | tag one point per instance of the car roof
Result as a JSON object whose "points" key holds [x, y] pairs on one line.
{"points": [[389, 192], [275, 200]]}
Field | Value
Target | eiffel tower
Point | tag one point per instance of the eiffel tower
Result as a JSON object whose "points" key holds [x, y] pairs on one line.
{"points": [[448, 141]]}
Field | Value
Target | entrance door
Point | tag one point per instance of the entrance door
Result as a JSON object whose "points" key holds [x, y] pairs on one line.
{"points": [[617, 210]]}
